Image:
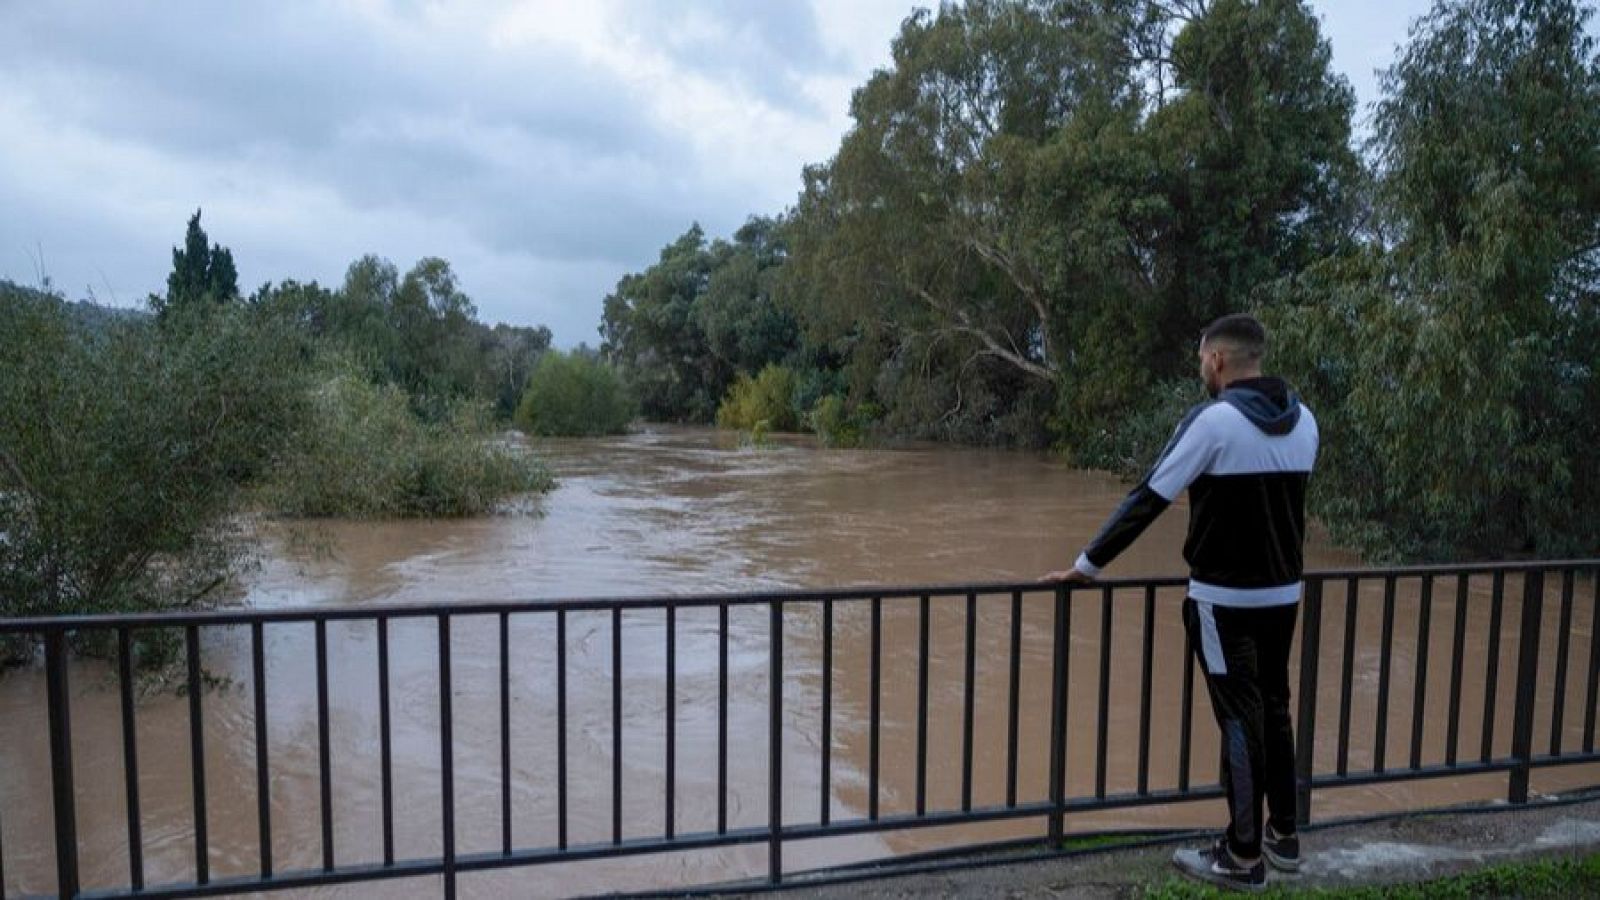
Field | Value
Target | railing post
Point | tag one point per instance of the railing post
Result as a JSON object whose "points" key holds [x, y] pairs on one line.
{"points": [[1305, 744], [447, 779], [1527, 672], [1058, 701], [60, 711], [775, 747]]}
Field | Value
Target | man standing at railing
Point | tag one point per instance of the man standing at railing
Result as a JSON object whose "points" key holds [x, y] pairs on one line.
{"points": [[1245, 457]]}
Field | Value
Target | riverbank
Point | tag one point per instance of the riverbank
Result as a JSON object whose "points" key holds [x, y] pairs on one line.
{"points": [[1392, 855]]}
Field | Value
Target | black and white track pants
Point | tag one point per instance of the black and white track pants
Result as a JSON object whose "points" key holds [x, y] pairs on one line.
{"points": [[1244, 652]]}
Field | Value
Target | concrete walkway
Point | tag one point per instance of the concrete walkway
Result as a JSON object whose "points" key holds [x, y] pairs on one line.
{"points": [[1412, 849]]}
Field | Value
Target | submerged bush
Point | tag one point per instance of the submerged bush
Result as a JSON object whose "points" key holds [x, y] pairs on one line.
{"points": [[769, 398], [124, 450], [366, 454], [573, 395], [836, 425]]}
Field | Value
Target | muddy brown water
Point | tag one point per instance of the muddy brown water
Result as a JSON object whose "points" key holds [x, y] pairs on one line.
{"points": [[691, 511]]}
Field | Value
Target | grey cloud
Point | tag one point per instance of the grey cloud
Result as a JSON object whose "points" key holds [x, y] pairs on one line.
{"points": [[536, 154], [774, 45]]}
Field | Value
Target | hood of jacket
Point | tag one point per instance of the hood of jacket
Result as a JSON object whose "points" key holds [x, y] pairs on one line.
{"points": [[1267, 402]]}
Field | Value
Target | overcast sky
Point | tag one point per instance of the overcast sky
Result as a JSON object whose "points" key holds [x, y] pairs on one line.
{"points": [[544, 148]]}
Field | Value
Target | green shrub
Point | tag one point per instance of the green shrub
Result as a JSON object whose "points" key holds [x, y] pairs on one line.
{"points": [[367, 454], [124, 451], [769, 397], [573, 395], [835, 425], [1130, 445]]}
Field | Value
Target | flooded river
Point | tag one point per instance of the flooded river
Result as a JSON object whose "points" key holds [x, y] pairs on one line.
{"points": [[692, 511]]}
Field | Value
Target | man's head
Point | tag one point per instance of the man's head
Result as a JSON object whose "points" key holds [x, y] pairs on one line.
{"points": [[1231, 348]]}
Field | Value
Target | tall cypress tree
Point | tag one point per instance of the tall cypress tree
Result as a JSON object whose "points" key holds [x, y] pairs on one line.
{"points": [[201, 274]]}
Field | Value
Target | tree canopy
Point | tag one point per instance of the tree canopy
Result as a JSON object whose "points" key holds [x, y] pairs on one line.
{"points": [[1039, 204]]}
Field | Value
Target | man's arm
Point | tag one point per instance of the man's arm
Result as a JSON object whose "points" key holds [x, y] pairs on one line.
{"points": [[1189, 453]]}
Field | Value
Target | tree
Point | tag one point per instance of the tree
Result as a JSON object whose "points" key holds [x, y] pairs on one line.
{"points": [[574, 395], [1462, 354], [916, 230], [510, 353], [1049, 199], [1255, 160], [651, 331], [202, 276], [739, 314]]}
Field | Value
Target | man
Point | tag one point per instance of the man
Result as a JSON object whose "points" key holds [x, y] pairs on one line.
{"points": [[1245, 458]]}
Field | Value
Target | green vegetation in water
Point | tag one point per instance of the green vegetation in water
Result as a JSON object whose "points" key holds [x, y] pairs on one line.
{"points": [[365, 454], [767, 398], [124, 449], [574, 395], [1555, 878], [134, 446]]}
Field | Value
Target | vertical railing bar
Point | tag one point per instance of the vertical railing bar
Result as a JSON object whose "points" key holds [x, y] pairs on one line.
{"points": [[1453, 738], [1146, 657], [58, 702], [1310, 663], [324, 767], [197, 755], [130, 759], [1527, 683], [1419, 697], [1563, 648], [561, 729], [1351, 601], [447, 786], [826, 801], [258, 673], [775, 745], [826, 784], [922, 704], [616, 724], [1491, 680], [385, 734], [1385, 663], [1186, 714], [1102, 738], [968, 719], [722, 717], [1058, 715], [672, 720], [874, 702], [1594, 666], [1014, 698], [504, 639]]}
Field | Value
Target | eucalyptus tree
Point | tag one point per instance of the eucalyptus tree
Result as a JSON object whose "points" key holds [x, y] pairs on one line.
{"points": [[651, 330], [1459, 356], [1051, 197]]}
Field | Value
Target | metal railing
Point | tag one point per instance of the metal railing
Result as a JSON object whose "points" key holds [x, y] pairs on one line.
{"points": [[1053, 806]]}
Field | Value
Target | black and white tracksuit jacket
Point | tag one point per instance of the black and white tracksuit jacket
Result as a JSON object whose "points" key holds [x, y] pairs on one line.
{"points": [[1245, 458]]}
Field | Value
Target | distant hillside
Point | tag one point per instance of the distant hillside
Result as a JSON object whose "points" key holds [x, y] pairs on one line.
{"points": [[90, 315]]}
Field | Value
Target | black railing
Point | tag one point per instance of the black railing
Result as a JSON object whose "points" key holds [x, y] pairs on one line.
{"points": [[1144, 745]]}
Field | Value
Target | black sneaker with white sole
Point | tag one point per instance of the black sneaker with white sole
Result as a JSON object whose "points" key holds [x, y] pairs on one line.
{"points": [[1216, 865], [1281, 851]]}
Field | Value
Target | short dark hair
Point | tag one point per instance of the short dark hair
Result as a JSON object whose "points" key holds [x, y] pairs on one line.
{"points": [[1243, 331]]}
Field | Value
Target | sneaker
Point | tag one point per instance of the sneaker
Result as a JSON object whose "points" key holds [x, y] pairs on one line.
{"points": [[1283, 852], [1216, 865]]}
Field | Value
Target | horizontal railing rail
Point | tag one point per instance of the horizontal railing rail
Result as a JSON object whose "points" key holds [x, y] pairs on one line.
{"points": [[1017, 663]]}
